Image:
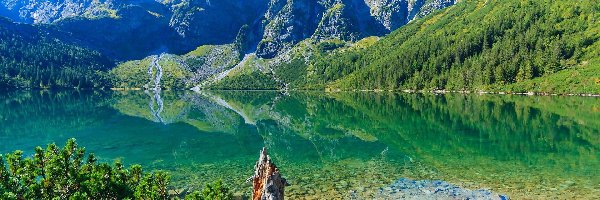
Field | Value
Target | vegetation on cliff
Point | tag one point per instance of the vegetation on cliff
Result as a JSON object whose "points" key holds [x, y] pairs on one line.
{"points": [[179, 71], [478, 44], [513, 46]]}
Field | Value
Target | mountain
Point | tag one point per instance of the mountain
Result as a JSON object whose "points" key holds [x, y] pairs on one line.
{"points": [[134, 29], [281, 27], [518, 46], [35, 11], [122, 30], [289, 22], [41, 57], [480, 45], [136, 33], [178, 71], [214, 22]]}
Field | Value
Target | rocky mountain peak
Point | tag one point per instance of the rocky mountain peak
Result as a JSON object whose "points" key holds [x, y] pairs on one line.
{"points": [[274, 26], [287, 22]]}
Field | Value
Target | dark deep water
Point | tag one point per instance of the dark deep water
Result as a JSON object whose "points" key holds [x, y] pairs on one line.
{"points": [[327, 145]]}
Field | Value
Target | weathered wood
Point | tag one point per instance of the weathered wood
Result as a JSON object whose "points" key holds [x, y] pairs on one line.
{"points": [[267, 181]]}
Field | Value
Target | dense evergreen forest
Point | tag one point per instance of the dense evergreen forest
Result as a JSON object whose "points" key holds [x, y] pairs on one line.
{"points": [[33, 57], [476, 45]]}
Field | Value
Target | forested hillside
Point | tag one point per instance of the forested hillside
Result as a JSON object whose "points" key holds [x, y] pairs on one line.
{"points": [[474, 45], [31, 57], [510, 45], [280, 27]]}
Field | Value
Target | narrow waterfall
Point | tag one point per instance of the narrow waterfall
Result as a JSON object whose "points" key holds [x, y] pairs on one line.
{"points": [[159, 72]]}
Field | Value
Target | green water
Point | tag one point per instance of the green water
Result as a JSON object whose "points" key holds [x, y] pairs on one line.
{"points": [[327, 145]]}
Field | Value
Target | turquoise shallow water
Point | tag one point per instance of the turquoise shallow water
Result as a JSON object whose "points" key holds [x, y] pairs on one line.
{"points": [[328, 145]]}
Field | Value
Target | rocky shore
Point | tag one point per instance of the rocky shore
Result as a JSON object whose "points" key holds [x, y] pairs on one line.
{"points": [[427, 189]]}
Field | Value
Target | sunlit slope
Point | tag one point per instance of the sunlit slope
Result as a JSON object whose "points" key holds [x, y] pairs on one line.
{"points": [[479, 44]]}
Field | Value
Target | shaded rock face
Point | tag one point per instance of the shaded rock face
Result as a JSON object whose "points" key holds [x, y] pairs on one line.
{"points": [[120, 29], [178, 26], [136, 34], [392, 14], [37, 11], [335, 24], [134, 29], [215, 22], [287, 22], [286, 25]]}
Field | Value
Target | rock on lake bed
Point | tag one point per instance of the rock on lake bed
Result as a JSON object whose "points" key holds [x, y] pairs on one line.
{"points": [[427, 189]]}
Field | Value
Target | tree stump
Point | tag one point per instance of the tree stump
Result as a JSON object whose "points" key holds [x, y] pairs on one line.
{"points": [[267, 181]]}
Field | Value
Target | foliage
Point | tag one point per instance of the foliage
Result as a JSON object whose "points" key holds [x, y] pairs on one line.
{"points": [[583, 79], [215, 190], [330, 45], [66, 173], [241, 40], [210, 57], [293, 73], [254, 80], [472, 45], [32, 57], [134, 74], [179, 71], [309, 60]]}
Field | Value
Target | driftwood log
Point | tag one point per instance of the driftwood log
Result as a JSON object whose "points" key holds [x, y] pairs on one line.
{"points": [[267, 181]]}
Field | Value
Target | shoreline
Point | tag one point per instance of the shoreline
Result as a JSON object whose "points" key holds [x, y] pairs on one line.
{"points": [[481, 92]]}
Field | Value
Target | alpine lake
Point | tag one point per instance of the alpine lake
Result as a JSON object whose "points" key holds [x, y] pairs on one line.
{"points": [[327, 145]]}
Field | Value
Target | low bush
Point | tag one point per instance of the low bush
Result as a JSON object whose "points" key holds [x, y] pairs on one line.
{"points": [[66, 173]]}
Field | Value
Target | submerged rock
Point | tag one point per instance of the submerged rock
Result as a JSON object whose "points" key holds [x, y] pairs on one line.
{"points": [[427, 189]]}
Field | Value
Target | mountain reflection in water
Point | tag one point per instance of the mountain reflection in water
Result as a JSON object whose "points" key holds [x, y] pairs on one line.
{"points": [[327, 144]]}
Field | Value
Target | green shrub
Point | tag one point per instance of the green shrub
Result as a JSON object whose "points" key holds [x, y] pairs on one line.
{"points": [[215, 190], [66, 173]]}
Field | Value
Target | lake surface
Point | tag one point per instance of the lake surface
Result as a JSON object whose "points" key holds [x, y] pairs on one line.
{"points": [[337, 145]]}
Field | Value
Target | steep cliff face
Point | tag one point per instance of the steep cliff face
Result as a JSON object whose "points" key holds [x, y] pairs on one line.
{"points": [[215, 22], [288, 22], [178, 26], [135, 34], [134, 29], [120, 29], [336, 23], [36, 11]]}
